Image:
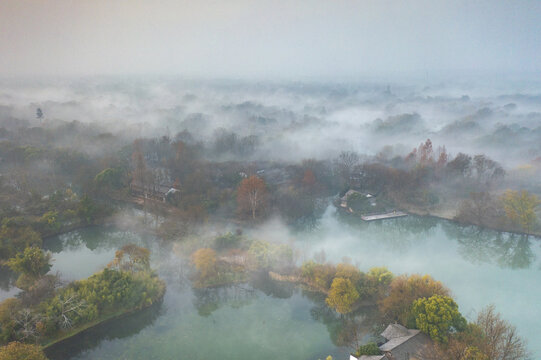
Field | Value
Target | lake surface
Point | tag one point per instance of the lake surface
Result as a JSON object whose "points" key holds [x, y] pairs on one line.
{"points": [[260, 319], [263, 320]]}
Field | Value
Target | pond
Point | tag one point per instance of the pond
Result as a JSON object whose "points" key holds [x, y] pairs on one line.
{"points": [[264, 320], [261, 319]]}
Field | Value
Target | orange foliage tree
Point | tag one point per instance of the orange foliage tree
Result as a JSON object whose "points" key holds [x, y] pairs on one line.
{"points": [[251, 195], [404, 291]]}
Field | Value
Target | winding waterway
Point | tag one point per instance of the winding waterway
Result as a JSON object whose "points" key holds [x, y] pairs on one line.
{"points": [[264, 320]]}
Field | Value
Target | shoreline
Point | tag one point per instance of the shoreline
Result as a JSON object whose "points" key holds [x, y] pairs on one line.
{"points": [[442, 216], [426, 213], [101, 321]]}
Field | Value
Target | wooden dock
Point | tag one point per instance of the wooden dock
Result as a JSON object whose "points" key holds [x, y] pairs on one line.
{"points": [[389, 215]]}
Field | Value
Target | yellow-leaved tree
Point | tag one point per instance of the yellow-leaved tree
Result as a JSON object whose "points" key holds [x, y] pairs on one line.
{"points": [[342, 295], [520, 208]]}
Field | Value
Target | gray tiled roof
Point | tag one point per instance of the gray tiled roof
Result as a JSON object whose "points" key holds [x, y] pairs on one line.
{"points": [[395, 330], [372, 357], [391, 344]]}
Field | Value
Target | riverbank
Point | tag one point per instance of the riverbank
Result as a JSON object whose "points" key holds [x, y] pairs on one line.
{"points": [[450, 215], [103, 320]]}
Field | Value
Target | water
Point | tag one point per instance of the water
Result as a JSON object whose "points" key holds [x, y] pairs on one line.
{"points": [[264, 320], [480, 266]]}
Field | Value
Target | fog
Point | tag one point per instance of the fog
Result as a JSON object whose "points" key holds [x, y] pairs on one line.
{"points": [[269, 39], [238, 141], [291, 121]]}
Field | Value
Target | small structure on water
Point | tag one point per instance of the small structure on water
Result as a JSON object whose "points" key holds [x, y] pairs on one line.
{"points": [[401, 344], [390, 215]]}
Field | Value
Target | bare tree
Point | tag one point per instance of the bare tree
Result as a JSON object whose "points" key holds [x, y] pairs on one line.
{"points": [[27, 322], [346, 163], [70, 306], [502, 341]]}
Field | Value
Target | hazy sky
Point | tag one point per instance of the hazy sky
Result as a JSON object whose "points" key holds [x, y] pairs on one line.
{"points": [[269, 38]]}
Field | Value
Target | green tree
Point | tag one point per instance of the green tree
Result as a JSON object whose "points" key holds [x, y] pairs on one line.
{"points": [[19, 351], [473, 353], [342, 295], [520, 208], [368, 349], [381, 275], [87, 209], [438, 316], [50, 220], [31, 265], [111, 178], [15, 236]]}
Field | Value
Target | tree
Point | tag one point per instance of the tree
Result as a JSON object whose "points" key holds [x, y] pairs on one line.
{"points": [[15, 236], [426, 153], [520, 208], [205, 262], [404, 290], [39, 114], [501, 340], [318, 275], [87, 209], [131, 258], [31, 264], [347, 161], [438, 316], [309, 180], [252, 195], [19, 351], [348, 271], [381, 274], [443, 157], [342, 295], [487, 170], [111, 178], [460, 165], [376, 283], [139, 164], [480, 209], [368, 349]]}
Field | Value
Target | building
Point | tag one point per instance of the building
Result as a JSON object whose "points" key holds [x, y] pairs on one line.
{"points": [[344, 199], [401, 344], [153, 191]]}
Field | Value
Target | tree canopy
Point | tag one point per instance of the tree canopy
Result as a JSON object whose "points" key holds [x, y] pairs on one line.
{"points": [[520, 208], [31, 264], [19, 351], [404, 290], [251, 195], [342, 295], [438, 316]]}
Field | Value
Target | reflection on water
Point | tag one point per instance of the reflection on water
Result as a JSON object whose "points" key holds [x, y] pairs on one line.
{"points": [[345, 330], [265, 319], [480, 266], [7, 278], [485, 246], [209, 300], [476, 245]]}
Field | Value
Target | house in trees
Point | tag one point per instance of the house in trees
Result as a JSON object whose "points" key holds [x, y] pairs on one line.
{"points": [[160, 192], [401, 344], [344, 199]]}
